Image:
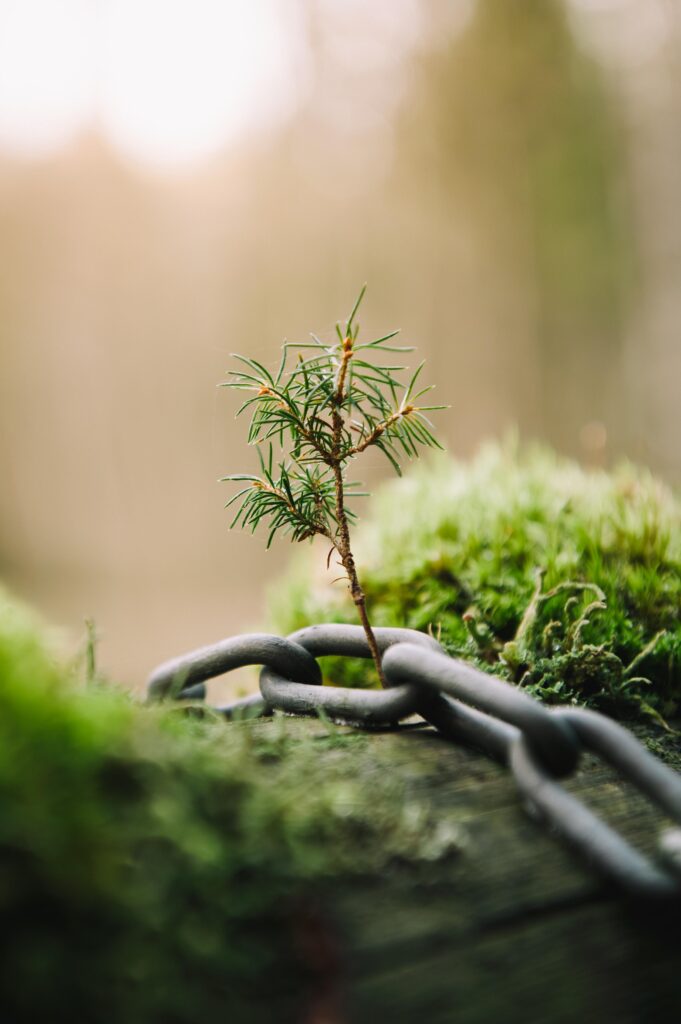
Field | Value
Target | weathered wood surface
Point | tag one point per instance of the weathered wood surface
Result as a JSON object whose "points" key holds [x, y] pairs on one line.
{"points": [[510, 927]]}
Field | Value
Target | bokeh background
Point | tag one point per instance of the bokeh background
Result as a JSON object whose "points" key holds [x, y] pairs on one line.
{"points": [[180, 179]]}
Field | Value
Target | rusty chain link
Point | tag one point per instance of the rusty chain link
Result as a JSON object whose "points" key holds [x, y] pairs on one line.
{"points": [[539, 745]]}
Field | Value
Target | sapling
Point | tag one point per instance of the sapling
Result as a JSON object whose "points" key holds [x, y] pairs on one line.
{"points": [[334, 402]]}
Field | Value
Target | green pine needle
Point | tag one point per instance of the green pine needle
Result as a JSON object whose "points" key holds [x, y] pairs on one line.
{"points": [[326, 404]]}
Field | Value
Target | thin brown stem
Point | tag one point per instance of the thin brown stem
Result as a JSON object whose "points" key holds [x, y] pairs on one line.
{"points": [[347, 558], [379, 429], [343, 540], [343, 371]]}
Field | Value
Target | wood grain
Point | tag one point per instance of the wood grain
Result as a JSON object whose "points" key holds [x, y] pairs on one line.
{"points": [[511, 926]]}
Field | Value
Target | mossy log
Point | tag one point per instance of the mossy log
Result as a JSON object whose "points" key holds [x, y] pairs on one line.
{"points": [[162, 868], [496, 920]]}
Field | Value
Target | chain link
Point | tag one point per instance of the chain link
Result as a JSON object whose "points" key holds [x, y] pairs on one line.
{"points": [[184, 677], [468, 706], [552, 740], [347, 706]]}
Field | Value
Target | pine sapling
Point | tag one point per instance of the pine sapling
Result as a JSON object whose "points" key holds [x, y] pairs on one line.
{"points": [[332, 404]]}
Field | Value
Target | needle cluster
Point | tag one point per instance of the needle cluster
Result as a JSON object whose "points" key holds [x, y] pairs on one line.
{"points": [[324, 406]]}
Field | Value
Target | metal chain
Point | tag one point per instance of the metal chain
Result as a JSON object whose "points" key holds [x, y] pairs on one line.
{"points": [[469, 706]]}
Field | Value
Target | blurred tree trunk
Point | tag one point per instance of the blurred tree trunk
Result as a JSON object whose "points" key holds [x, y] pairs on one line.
{"points": [[514, 125]]}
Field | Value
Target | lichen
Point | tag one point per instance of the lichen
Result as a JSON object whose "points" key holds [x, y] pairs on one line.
{"points": [[563, 580]]}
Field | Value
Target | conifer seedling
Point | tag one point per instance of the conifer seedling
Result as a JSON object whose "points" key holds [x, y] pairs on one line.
{"points": [[333, 403]]}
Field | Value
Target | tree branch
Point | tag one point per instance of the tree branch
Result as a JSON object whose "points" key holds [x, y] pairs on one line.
{"points": [[378, 430]]}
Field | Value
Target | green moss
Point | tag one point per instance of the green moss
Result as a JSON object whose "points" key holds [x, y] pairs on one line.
{"points": [[157, 867], [565, 581]]}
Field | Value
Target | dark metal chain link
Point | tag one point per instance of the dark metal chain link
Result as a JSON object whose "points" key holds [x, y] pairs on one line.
{"points": [[540, 745]]}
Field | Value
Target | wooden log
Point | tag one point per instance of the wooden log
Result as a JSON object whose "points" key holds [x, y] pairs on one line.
{"points": [[508, 925]]}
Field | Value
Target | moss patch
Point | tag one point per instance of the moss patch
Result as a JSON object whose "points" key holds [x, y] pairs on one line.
{"points": [[155, 866], [565, 581]]}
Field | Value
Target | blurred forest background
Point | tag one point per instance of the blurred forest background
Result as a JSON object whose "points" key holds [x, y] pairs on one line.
{"points": [[181, 180]]}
